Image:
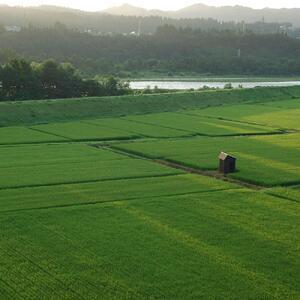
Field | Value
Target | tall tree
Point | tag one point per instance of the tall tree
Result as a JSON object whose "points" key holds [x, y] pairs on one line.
{"points": [[18, 80]]}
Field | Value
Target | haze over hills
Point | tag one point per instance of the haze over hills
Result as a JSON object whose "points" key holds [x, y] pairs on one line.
{"points": [[225, 13], [124, 19]]}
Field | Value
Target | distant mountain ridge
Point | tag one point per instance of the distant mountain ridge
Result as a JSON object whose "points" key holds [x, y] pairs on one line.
{"points": [[223, 13], [114, 19], [130, 10]]}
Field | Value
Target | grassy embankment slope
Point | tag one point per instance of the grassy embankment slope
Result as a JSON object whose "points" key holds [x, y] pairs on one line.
{"points": [[32, 112]]}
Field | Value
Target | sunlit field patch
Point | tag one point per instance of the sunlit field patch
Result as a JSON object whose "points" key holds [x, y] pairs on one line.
{"points": [[215, 244], [269, 114]]}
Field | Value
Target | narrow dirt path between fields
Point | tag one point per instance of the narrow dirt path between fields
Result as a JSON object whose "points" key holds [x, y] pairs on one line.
{"points": [[187, 169]]}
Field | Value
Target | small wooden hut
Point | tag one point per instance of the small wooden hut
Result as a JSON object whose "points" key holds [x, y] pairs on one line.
{"points": [[227, 163]]}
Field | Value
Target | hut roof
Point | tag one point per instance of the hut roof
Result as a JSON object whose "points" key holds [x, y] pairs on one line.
{"points": [[224, 156]]}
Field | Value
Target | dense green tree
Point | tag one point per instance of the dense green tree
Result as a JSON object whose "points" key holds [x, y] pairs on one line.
{"points": [[59, 80], [21, 80]]}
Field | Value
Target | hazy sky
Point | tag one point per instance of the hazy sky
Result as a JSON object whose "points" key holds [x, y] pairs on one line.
{"points": [[94, 5]]}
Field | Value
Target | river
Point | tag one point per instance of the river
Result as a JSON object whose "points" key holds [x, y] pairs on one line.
{"points": [[186, 85]]}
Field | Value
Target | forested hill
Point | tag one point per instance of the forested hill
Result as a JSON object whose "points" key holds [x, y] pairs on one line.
{"points": [[103, 23], [168, 50]]}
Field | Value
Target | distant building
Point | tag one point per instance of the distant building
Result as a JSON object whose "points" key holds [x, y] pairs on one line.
{"points": [[13, 28], [94, 32], [285, 28]]}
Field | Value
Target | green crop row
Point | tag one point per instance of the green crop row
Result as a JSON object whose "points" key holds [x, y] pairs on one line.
{"points": [[229, 244], [290, 193]]}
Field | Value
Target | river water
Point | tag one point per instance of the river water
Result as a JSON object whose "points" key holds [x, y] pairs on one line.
{"points": [[186, 85]]}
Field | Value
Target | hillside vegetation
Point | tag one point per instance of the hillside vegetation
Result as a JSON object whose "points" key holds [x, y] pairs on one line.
{"points": [[169, 50]]}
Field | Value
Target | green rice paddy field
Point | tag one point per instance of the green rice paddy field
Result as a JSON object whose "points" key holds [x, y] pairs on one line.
{"points": [[132, 206]]}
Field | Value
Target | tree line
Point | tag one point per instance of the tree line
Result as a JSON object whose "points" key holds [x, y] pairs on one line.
{"points": [[23, 80], [169, 51]]}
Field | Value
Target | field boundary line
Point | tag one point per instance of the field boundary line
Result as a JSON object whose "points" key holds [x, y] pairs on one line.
{"points": [[139, 136], [247, 134], [162, 126], [34, 143], [73, 162], [127, 118], [281, 197], [47, 132], [69, 139], [222, 118], [90, 122], [89, 203], [77, 141], [88, 181]]}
